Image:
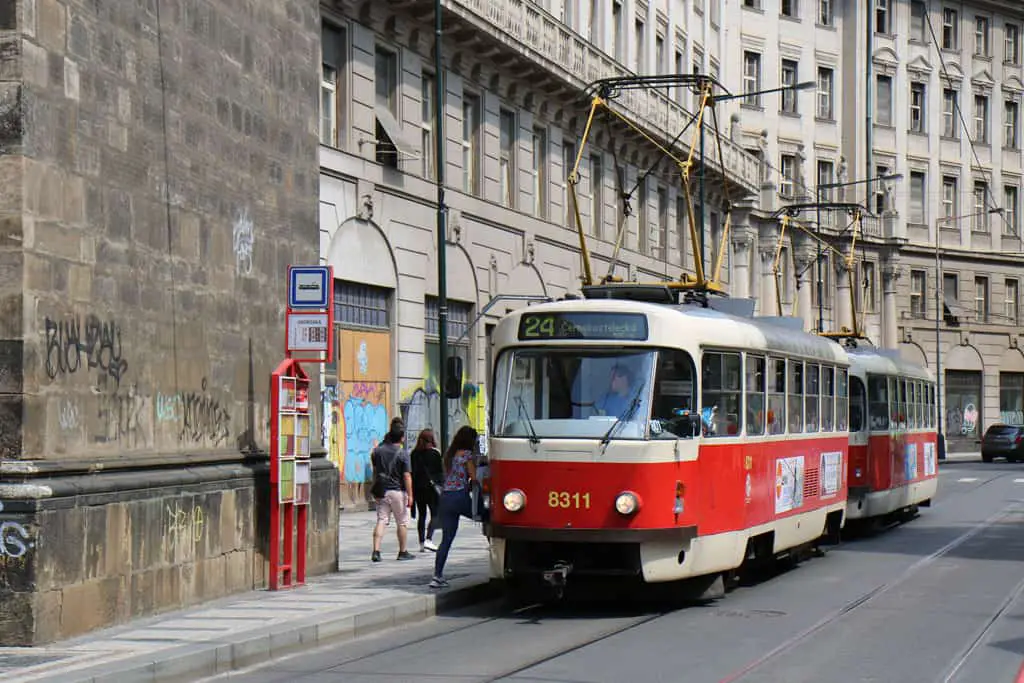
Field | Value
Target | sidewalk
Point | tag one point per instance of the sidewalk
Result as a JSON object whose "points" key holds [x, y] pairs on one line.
{"points": [[243, 630], [974, 456]]}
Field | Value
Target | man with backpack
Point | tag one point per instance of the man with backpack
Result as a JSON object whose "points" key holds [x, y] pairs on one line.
{"points": [[392, 488]]}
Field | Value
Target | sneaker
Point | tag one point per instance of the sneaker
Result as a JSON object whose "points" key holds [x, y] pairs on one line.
{"points": [[429, 545], [375, 556], [406, 555], [439, 582]]}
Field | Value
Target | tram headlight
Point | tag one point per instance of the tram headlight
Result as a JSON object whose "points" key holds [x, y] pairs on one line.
{"points": [[514, 500], [627, 503]]}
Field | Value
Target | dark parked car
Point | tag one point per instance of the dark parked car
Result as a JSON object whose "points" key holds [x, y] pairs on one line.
{"points": [[1003, 441]]}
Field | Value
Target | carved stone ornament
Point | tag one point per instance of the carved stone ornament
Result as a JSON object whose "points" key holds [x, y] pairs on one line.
{"points": [[366, 207]]}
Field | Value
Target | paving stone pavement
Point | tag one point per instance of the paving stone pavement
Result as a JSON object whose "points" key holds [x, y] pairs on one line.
{"points": [[248, 628]]}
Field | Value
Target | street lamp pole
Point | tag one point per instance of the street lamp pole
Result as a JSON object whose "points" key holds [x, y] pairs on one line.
{"points": [[442, 242]]}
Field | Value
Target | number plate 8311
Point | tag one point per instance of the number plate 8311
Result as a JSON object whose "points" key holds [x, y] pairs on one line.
{"points": [[569, 500]]}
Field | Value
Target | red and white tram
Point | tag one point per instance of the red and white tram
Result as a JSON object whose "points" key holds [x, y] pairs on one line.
{"points": [[611, 455], [893, 467]]}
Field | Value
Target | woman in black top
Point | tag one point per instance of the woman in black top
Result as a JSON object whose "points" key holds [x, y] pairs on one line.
{"points": [[427, 479]]}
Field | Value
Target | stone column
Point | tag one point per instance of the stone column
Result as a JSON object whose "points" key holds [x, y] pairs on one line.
{"points": [[804, 307], [739, 278], [843, 307], [890, 276], [767, 296]]}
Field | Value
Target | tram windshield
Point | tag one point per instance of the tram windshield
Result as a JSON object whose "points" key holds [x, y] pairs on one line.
{"points": [[573, 393]]}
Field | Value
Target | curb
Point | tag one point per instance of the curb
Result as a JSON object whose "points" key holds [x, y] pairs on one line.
{"points": [[202, 660]]}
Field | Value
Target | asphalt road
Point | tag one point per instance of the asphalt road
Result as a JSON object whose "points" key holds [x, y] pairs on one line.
{"points": [[933, 600]]}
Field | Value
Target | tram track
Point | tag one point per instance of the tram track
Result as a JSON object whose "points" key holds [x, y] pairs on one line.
{"points": [[868, 596], [982, 635]]}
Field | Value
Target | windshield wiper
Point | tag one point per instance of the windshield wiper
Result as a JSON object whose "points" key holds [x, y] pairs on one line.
{"points": [[625, 417], [525, 414]]}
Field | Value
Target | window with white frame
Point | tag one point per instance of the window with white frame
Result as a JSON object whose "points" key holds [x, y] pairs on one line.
{"points": [[949, 197], [751, 78], [917, 107], [949, 113], [981, 119], [584, 195], [825, 91], [682, 227], [1011, 124], [752, 4], [790, 68], [883, 100], [594, 22], [979, 222], [981, 308], [1011, 210], [1011, 44], [680, 68], [640, 43], [917, 194], [788, 8], [539, 144], [826, 176], [427, 90], [643, 227], [659, 53], [507, 156], [950, 28], [868, 286], [618, 37], [882, 16], [981, 36], [787, 166], [471, 143], [332, 100], [568, 161], [918, 23], [918, 284], [596, 193], [386, 84], [663, 223], [880, 197], [1011, 296], [825, 15]]}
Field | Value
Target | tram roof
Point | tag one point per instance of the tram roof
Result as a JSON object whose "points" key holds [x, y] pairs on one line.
{"points": [[887, 362], [709, 327]]}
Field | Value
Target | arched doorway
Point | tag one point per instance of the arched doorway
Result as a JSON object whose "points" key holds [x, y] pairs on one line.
{"points": [[1011, 387]]}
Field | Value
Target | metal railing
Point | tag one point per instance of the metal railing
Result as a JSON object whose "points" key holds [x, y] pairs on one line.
{"points": [[582, 63]]}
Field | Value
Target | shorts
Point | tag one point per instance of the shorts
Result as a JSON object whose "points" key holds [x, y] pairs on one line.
{"points": [[393, 503]]}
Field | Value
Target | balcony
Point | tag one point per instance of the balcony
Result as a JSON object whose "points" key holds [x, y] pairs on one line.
{"points": [[520, 30]]}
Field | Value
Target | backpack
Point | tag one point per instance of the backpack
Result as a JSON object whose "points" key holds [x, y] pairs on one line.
{"points": [[378, 489]]}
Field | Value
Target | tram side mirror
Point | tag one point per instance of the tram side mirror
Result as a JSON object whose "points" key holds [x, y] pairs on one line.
{"points": [[453, 377]]}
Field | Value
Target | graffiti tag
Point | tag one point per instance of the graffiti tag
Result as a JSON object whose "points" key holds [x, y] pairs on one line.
{"points": [[121, 417], [15, 539], [203, 418], [67, 415], [69, 347], [243, 237], [185, 526]]}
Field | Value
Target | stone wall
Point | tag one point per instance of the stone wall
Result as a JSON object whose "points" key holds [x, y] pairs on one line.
{"points": [[80, 553], [169, 176]]}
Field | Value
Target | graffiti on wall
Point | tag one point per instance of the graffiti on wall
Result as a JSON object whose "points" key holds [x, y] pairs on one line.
{"points": [[355, 410], [421, 407], [15, 540]]}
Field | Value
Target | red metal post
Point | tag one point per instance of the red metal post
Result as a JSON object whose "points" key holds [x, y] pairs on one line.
{"points": [[300, 574]]}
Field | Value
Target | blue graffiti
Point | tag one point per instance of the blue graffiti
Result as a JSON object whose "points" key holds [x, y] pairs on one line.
{"points": [[365, 426]]}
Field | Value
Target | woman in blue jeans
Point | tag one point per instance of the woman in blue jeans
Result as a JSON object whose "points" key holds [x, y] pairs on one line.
{"points": [[460, 471]]}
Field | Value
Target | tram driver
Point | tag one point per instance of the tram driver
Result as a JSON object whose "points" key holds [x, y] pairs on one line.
{"points": [[615, 402]]}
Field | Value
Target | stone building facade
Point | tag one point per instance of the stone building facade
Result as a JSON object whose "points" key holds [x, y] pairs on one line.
{"points": [[157, 176]]}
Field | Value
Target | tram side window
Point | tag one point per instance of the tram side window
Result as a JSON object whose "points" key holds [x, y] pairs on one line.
{"points": [[721, 391], [932, 407], [919, 409], [828, 397], [675, 396], [795, 387], [843, 401], [777, 396], [902, 411], [811, 396], [878, 403], [755, 395], [858, 405]]}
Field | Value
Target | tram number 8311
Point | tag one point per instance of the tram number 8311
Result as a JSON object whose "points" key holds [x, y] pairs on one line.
{"points": [[564, 499]]}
